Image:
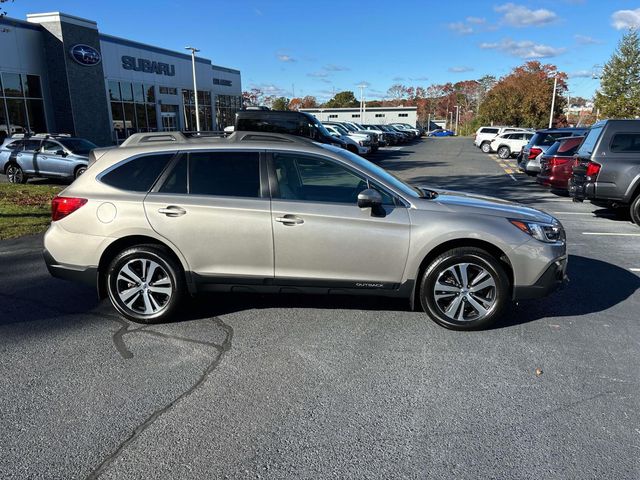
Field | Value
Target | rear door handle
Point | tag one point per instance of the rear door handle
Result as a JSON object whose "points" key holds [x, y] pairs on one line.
{"points": [[290, 220], [172, 211]]}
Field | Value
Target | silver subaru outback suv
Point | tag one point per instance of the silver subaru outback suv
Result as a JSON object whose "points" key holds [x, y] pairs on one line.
{"points": [[165, 216]]}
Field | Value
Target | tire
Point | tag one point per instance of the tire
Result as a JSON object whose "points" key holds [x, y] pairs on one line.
{"points": [[504, 152], [15, 174], [79, 171], [145, 305], [475, 309], [485, 147], [634, 210]]}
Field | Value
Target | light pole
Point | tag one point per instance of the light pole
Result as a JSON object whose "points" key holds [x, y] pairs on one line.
{"points": [[553, 100], [195, 85], [457, 107], [362, 106]]}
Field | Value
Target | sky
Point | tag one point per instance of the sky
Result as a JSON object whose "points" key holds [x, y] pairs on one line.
{"points": [[296, 48]]}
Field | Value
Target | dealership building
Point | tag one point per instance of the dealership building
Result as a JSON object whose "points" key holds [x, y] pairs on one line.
{"points": [[59, 74], [372, 115]]}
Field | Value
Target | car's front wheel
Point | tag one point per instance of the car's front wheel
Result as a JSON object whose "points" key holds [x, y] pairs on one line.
{"points": [[504, 152], [486, 147], [635, 211], [464, 289], [145, 284], [15, 174]]}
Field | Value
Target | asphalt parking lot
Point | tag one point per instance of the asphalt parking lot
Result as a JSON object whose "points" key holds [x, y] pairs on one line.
{"points": [[252, 386]]}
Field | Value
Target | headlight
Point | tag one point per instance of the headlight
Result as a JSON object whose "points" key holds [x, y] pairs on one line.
{"points": [[544, 232]]}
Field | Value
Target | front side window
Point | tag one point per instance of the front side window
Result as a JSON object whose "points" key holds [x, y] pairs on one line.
{"points": [[31, 145], [138, 174], [227, 174], [50, 147], [302, 177]]}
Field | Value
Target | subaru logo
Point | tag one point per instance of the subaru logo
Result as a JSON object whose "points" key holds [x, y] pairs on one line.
{"points": [[85, 55]]}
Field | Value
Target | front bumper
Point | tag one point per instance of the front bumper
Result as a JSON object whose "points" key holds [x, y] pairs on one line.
{"points": [[554, 278], [74, 273]]}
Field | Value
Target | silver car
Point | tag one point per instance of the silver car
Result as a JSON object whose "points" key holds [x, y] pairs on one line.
{"points": [[44, 156], [166, 215]]}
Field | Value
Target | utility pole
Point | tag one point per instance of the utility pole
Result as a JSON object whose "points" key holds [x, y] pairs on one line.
{"points": [[195, 85], [553, 100], [362, 107]]}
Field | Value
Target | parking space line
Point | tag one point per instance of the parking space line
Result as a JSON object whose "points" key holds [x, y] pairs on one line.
{"points": [[611, 234]]}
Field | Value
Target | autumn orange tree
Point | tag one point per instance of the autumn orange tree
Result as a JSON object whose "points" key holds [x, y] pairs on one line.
{"points": [[523, 98]]}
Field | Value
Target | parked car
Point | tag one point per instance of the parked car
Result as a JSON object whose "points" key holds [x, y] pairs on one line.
{"points": [[607, 166], [408, 136], [484, 136], [44, 156], [408, 128], [386, 138], [398, 136], [292, 123], [153, 221], [557, 162], [359, 144], [442, 133], [359, 129], [510, 143], [529, 161]]}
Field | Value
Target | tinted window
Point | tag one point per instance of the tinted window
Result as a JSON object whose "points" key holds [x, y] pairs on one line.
{"points": [[569, 147], [626, 142], [138, 174], [176, 181], [547, 139], [589, 142], [553, 149], [229, 174], [31, 145], [50, 147], [289, 125], [489, 130], [14, 145], [302, 177], [78, 145]]}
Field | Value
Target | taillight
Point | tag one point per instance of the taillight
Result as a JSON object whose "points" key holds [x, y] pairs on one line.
{"points": [[593, 169], [534, 152], [64, 206], [557, 161]]}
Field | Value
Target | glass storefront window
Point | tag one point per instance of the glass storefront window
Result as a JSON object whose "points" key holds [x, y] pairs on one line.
{"points": [[151, 117], [37, 122], [117, 117], [125, 89], [114, 91], [141, 117], [12, 84], [17, 115], [151, 94], [129, 118], [4, 125], [32, 86], [138, 92]]}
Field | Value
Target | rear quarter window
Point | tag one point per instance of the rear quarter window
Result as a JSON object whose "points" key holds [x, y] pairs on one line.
{"points": [[489, 130], [138, 174], [625, 143]]}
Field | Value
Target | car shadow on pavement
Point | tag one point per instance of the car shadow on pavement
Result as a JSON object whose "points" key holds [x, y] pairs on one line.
{"points": [[594, 286]]}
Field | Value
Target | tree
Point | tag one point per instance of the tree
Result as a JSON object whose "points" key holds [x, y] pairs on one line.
{"points": [[280, 103], [523, 98], [342, 100], [309, 101], [256, 98], [619, 93], [397, 92]]}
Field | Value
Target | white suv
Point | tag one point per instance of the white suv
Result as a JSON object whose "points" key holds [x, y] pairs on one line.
{"points": [[509, 143], [485, 135]]}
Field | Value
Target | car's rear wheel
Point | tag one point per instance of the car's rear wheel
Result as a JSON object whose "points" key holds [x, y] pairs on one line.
{"points": [[464, 289], [79, 171], [145, 284], [485, 147], [15, 174], [634, 210], [504, 152]]}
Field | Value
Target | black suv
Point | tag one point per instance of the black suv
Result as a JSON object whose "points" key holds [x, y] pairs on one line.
{"points": [[607, 166]]}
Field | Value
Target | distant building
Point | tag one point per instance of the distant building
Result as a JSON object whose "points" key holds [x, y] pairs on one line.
{"points": [[372, 115]]}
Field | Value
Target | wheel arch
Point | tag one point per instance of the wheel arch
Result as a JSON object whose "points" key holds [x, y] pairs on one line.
{"points": [[130, 241], [458, 243]]}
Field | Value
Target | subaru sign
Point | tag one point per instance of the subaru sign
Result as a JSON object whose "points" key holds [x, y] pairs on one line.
{"points": [[85, 55]]}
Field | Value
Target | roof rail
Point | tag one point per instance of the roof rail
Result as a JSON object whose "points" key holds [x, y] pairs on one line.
{"points": [[271, 137], [152, 137], [39, 135], [207, 133]]}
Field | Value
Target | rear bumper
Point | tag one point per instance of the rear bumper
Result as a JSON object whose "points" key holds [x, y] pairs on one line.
{"points": [[580, 189], [554, 278], [74, 273]]}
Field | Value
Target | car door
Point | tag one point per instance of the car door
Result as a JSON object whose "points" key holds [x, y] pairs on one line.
{"points": [[321, 236], [214, 208], [53, 159], [27, 157]]}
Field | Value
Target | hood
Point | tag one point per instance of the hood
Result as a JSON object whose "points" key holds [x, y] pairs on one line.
{"points": [[483, 205]]}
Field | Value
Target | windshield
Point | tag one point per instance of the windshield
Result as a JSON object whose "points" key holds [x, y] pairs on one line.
{"points": [[349, 127], [77, 145], [341, 130], [389, 178], [589, 143]]}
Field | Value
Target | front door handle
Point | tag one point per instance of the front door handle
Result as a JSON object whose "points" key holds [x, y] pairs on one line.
{"points": [[290, 220], [172, 211]]}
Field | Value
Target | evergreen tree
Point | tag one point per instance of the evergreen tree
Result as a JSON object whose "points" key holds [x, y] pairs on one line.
{"points": [[619, 93]]}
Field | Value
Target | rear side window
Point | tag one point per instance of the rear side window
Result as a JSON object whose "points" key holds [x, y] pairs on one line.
{"points": [[546, 139], [138, 174], [589, 142], [568, 148], [489, 130], [625, 142], [291, 124], [14, 145], [31, 145], [227, 174]]}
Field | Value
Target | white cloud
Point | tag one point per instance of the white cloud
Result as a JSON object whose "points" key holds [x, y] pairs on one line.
{"points": [[398, 79], [581, 74], [521, 16], [461, 28], [586, 40], [336, 68], [283, 57], [319, 74], [476, 20], [623, 19], [422, 78], [525, 49], [460, 69]]}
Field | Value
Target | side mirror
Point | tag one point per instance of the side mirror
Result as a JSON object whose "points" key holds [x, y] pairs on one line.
{"points": [[369, 198], [61, 153]]}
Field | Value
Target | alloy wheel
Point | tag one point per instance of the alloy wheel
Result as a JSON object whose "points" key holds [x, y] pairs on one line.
{"points": [[504, 153], [15, 174], [144, 286], [485, 147], [465, 292]]}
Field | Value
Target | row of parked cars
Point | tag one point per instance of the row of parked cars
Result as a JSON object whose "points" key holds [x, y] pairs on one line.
{"points": [[61, 156], [600, 163]]}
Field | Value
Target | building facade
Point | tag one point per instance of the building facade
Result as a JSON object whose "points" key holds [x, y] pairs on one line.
{"points": [[372, 115], [59, 74]]}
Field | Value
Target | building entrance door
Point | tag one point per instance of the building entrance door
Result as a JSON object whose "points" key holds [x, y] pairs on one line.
{"points": [[168, 121]]}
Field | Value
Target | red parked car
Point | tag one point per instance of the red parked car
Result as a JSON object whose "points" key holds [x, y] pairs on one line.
{"points": [[556, 164]]}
